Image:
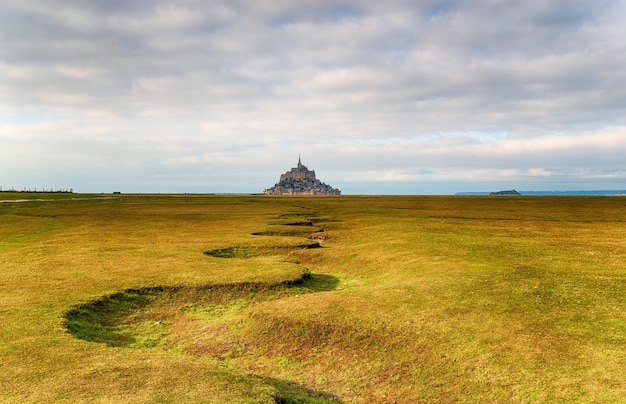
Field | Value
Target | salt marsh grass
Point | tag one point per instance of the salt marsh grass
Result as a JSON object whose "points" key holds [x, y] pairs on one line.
{"points": [[250, 299]]}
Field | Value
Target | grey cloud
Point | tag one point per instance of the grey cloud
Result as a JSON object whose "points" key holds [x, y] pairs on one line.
{"points": [[221, 80]]}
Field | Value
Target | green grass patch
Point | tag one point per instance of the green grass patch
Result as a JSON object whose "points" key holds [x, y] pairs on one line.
{"points": [[139, 318], [18, 230]]}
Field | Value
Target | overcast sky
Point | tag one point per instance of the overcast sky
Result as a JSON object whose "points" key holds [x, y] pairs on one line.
{"points": [[402, 97]]}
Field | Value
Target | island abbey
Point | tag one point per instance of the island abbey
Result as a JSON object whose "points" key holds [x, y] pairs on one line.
{"points": [[301, 181]]}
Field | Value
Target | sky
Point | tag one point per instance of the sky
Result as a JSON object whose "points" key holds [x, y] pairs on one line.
{"points": [[378, 97]]}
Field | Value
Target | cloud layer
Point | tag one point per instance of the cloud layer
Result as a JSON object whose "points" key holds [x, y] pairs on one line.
{"points": [[378, 97]]}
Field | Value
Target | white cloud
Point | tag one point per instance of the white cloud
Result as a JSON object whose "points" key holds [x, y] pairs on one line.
{"points": [[381, 91]]}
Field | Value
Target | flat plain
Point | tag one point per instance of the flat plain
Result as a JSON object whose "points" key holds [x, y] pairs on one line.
{"points": [[258, 299]]}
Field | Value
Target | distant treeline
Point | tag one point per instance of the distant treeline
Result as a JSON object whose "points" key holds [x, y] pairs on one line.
{"points": [[43, 190]]}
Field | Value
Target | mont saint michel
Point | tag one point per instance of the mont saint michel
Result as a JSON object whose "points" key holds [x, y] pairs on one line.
{"points": [[301, 181]]}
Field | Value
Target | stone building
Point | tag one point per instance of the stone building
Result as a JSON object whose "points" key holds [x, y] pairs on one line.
{"points": [[300, 181]]}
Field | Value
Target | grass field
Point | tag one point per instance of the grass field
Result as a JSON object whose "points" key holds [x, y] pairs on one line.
{"points": [[256, 299]]}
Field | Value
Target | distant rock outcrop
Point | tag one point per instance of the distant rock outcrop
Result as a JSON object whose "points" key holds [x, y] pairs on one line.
{"points": [[510, 192], [300, 181]]}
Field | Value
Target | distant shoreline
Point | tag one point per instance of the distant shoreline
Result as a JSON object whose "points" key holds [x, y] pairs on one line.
{"points": [[620, 192]]}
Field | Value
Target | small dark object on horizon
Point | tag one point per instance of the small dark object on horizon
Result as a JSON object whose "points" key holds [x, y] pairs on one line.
{"points": [[510, 192]]}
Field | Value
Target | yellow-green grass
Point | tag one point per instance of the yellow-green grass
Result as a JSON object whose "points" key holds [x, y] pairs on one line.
{"points": [[191, 298]]}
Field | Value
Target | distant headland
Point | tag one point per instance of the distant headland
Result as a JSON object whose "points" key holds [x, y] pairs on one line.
{"points": [[605, 192]]}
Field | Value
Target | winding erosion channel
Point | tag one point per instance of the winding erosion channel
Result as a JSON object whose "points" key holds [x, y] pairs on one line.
{"points": [[148, 317]]}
